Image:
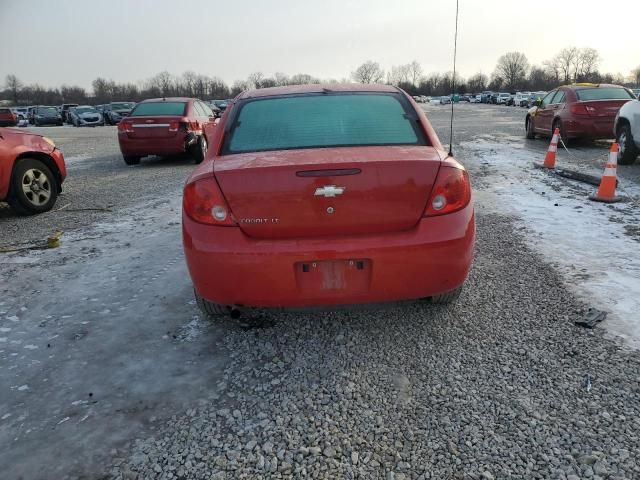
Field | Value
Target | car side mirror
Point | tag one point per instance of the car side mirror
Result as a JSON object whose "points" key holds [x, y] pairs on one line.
{"points": [[538, 102]]}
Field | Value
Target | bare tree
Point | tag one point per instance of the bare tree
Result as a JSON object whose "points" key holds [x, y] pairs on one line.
{"points": [[478, 82], [14, 85], [303, 79], [255, 79], [398, 74], [635, 75], [565, 61], [512, 67], [188, 82], [163, 82], [585, 63], [368, 72], [281, 79], [414, 72]]}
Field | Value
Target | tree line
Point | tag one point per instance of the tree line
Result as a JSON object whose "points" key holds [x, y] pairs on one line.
{"points": [[512, 72]]}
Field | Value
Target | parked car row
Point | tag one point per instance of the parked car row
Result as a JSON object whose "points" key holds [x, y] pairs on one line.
{"points": [[590, 111]]}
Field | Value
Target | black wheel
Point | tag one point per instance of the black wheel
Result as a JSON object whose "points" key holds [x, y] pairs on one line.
{"points": [[210, 308], [448, 297], [34, 188], [529, 126], [628, 152], [199, 150], [131, 159]]}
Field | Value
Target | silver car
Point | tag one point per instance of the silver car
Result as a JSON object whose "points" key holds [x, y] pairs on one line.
{"points": [[85, 116]]}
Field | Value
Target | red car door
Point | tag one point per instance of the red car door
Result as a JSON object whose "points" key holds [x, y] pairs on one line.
{"points": [[545, 113], [207, 120]]}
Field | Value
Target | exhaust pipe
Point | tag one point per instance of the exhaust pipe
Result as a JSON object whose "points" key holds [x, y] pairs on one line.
{"points": [[234, 313]]}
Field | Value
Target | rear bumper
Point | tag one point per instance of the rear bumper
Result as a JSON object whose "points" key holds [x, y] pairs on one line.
{"points": [[590, 128], [152, 146], [230, 268]]}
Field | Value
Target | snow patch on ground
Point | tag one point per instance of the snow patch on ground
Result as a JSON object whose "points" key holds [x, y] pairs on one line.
{"points": [[587, 241]]}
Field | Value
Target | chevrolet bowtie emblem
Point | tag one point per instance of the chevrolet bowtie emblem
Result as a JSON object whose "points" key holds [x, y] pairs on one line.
{"points": [[329, 191]]}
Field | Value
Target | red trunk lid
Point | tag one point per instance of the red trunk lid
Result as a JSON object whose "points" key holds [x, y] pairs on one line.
{"points": [[153, 127], [603, 109], [328, 191]]}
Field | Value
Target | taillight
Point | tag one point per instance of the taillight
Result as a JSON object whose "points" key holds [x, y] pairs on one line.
{"points": [[451, 191], [580, 109], [203, 202], [125, 127]]}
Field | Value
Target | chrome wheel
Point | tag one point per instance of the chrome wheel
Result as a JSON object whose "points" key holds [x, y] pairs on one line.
{"points": [[203, 146], [36, 187]]}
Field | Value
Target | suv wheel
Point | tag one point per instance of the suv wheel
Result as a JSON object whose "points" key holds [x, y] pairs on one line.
{"points": [[628, 151], [34, 188]]}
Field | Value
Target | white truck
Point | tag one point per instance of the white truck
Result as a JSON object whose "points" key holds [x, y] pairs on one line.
{"points": [[627, 131]]}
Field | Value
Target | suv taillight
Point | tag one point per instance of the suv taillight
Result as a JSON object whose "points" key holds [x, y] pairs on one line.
{"points": [[203, 202], [451, 191]]}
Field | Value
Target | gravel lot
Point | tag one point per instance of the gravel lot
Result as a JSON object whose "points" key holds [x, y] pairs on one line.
{"points": [[499, 385]]}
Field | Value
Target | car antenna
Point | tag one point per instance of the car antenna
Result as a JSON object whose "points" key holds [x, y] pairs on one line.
{"points": [[453, 81]]}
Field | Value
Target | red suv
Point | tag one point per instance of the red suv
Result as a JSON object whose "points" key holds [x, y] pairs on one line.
{"points": [[32, 170], [166, 126], [7, 118], [581, 110]]}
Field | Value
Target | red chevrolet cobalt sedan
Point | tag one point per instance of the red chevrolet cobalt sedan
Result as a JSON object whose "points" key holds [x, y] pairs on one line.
{"points": [[314, 196]]}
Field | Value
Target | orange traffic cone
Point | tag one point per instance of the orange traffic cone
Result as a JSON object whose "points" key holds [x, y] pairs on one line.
{"points": [[607, 189], [550, 157]]}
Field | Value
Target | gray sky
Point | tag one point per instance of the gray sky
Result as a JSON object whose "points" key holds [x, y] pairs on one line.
{"points": [[74, 41]]}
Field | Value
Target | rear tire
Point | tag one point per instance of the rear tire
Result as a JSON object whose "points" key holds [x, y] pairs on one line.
{"points": [[446, 298], [628, 149], [131, 159], [563, 134], [34, 188], [531, 133], [209, 308], [199, 150]]}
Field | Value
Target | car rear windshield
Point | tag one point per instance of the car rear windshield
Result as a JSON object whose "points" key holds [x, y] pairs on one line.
{"points": [[5, 110], [47, 110], [323, 120], [603, 93], [159, 108]]}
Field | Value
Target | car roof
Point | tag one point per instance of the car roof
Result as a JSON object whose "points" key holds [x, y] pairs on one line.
{"points": [[164, 99], [585, 86], [317, 88]]}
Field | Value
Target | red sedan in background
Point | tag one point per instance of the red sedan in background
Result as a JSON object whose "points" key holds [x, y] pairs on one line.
{"points": [[32, 170], [315, 195], [166, 126], [581, 110], [7, 118]]}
